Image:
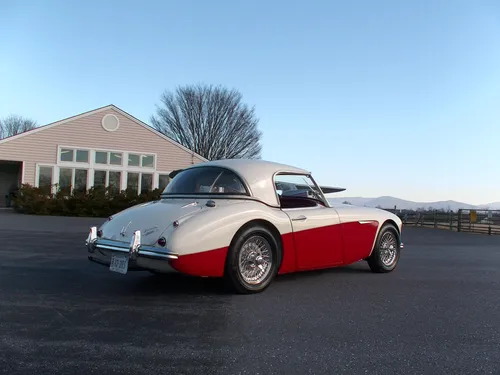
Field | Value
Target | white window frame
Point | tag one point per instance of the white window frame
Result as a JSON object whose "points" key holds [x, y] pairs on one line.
{"points": [[54, 169], [106, 180], [23, 171], [73, 174], [154, 183], [157, 178], [153, 168], [75, 149], [90, 174], [92, 164]]}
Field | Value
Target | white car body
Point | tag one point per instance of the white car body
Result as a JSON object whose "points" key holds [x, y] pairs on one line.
{"points": [[193, 231]]}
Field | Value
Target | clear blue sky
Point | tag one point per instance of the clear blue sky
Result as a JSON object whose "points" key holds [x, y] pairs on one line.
{"points": [[381, 97]]}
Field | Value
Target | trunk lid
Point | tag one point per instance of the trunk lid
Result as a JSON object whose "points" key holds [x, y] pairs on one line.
{"points": [[151, 218]]}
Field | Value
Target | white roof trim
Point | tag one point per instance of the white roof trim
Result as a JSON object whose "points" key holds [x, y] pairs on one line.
{"points": [[51, 125], [111, 106]]}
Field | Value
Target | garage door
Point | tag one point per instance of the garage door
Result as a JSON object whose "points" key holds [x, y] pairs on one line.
{"points": [[9, 177]]}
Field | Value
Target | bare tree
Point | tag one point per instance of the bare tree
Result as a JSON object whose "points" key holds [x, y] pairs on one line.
{"points": [[15, 124], [211, 121]]}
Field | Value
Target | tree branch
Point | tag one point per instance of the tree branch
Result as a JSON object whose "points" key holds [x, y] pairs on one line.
{"points": [[211, 121]]}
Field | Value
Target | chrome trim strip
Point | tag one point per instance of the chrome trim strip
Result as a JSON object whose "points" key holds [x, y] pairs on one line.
{"points": [[153, 254], [134, 249], [120, 244], [115, 248], [91, 239], [366, 221], [135, 244]]}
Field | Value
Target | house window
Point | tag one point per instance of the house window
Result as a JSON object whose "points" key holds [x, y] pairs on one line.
{"points": [[138, 160], [139, 182], [111, 179], [45, 178], [148, 161], [115, 158], [74, 155], [115, 180], [66, 154], [101, 157], [163, 181], [133, 181], [106, 169], [133, 160], [108, 158], [146, 182], [99, 179], [82, 156], [65, 179], [80, 180]]}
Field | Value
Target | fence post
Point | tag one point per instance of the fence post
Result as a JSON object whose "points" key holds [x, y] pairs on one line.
{"points": [[435, 219], [451, 219], [459, 223]]}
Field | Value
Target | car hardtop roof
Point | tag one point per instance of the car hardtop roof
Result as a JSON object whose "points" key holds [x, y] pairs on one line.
{"points": [[257, 174], [252, 169]]}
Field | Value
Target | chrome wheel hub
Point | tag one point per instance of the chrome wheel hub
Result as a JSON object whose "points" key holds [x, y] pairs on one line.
{"points": [[388, 248], [255, 260]]}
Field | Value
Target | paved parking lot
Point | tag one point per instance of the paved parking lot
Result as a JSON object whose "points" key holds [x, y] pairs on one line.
{"points": [[438, 313]]}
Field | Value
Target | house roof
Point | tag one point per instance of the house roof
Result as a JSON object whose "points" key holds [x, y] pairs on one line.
{"points": [[111, 106]]}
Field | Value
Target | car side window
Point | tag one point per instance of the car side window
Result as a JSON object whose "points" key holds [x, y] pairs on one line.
{"points": [[296, 191]]}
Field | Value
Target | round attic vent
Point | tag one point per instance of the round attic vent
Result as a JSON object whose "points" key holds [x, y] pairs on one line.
{"points": [[110, 122]]}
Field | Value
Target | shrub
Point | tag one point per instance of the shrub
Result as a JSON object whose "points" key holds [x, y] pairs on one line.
{"points": [[95, 202]]}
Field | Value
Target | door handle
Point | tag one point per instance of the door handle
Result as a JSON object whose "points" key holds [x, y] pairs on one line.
{"points": [[299, 218]]}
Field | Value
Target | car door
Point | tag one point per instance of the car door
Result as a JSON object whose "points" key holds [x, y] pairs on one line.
{"points": [[317, 235]]}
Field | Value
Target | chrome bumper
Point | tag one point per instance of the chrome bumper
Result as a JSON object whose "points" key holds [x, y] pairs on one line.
{"points": [[135, 249]]}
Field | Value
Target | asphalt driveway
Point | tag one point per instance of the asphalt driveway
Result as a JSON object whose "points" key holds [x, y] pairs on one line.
{"points": [[438, 313]]}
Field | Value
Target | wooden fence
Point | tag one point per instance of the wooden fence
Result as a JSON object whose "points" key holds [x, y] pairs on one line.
{"points": [[465, 220]]}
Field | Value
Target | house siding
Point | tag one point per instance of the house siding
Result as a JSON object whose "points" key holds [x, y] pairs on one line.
{"points": [[41, 147]]}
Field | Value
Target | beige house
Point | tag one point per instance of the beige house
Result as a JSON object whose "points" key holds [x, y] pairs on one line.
{"points": [[103, 147]]}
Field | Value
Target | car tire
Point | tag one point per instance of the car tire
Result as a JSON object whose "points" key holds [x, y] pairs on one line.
{"points": [[257, 247], [385, 255]]}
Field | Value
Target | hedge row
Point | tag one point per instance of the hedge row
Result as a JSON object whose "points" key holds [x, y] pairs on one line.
{"points": [[96, 202]]}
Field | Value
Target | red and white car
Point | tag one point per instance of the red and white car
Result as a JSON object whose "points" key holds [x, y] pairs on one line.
{"points": [[246, 221]]}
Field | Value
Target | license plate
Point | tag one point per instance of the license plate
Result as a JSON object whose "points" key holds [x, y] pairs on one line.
{"points": [[119, 263]]}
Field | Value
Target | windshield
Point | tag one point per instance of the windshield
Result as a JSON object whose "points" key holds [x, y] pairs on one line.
{"points": [[206, 180]]}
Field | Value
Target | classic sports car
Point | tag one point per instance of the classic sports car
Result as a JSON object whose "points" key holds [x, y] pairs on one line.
{"points": [[245, 221]]}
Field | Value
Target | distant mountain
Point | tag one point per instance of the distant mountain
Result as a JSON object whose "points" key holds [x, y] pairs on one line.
{"points": [[390, 202], [491, 206]]}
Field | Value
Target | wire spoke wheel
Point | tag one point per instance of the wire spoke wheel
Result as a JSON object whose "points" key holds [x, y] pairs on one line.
{"points": [[388, 248], [255, 260]]}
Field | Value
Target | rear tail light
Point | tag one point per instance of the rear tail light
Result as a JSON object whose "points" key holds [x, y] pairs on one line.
{"points": [[162, 241]]}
